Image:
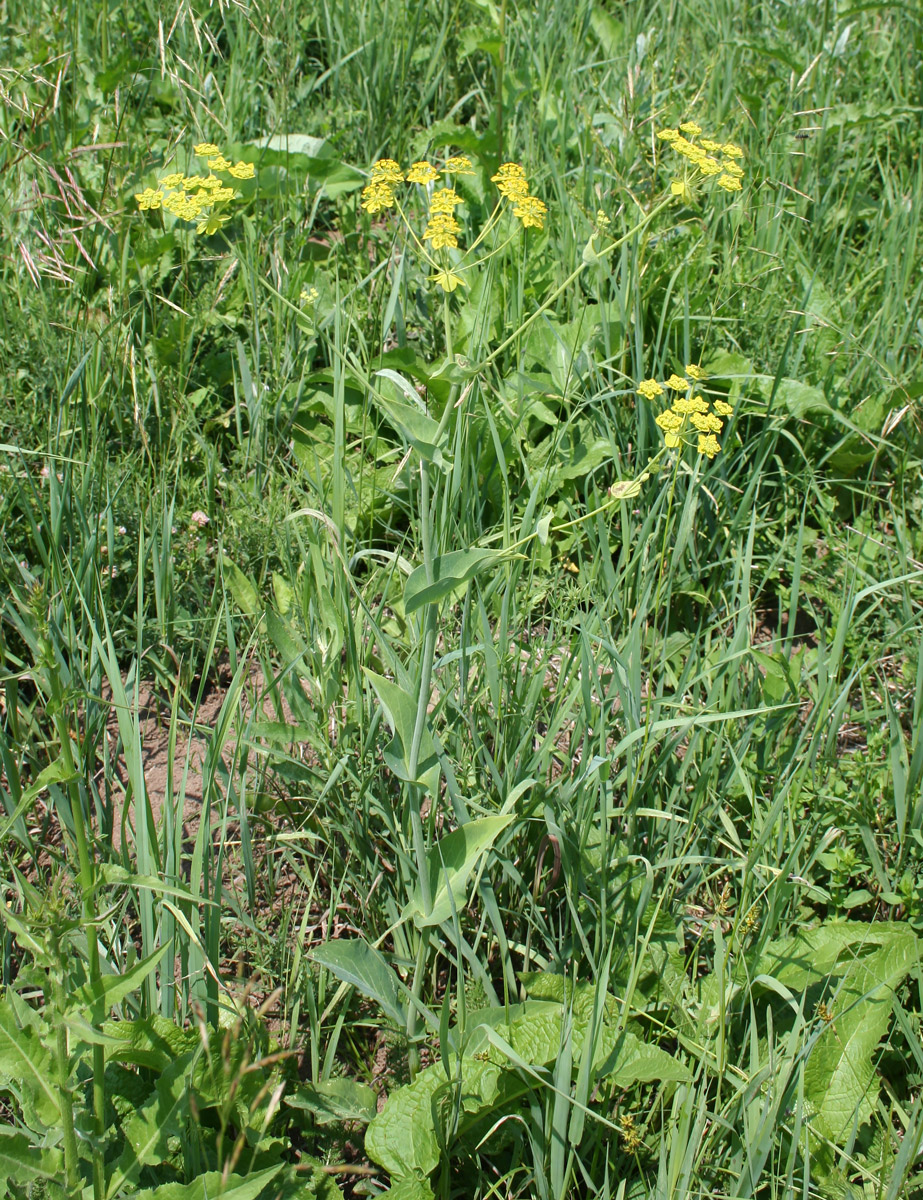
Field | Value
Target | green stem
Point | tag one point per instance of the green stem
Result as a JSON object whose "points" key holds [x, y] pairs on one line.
{"points": [[660, 576], [559, 291], [87, 883], [71, 1156]]}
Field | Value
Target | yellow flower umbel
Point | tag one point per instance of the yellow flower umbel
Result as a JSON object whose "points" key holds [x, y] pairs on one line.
{"points": [[706, 159], [202, 199], [688, 414], [441, 235]]}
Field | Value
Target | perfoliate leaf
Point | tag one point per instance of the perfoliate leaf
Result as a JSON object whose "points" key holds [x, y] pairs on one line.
{"points": [[449, 865], [400, 711], [449, 571], [354, 961]]}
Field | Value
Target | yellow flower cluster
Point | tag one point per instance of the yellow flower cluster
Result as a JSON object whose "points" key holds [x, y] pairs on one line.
{"points": [[511, 182], [688, 412], [708, 158], [199, 198], [513, 186]]}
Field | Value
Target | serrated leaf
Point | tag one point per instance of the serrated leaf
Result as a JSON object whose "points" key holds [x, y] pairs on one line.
{"points": [[839, 1077], [23, 1163], [25, 1060], [449, 866], [356, 962], [625, 1059], [449, 571], [148, 1130]]}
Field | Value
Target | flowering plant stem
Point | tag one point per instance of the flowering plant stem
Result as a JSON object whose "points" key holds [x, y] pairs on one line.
{"points": [[574, 275]]}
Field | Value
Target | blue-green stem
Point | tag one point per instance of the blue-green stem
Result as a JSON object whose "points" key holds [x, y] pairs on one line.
{"points": [[87, 881]]}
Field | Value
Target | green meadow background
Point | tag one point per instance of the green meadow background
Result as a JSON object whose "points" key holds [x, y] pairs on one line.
{"points": [[389, 802]]}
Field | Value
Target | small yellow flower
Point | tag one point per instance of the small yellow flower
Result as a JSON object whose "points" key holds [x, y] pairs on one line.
{"points": [[445, 200], [722, 408], [682, 405], [220, 194], [173, 181], [670, 421], [206, 149], [729, 183], [708, 444], [706, 422], [650, 389], [698, 405], [531, 211], [668, 135], [694, 371], [377, 196], [308, 295], [149, 199], [386, 170], [677, 383], [422, 172], [192, 182], [731, 168], [710, 146], [242, 170], [220, 163], [709, 166], [732, 151], [212, 183], [441, 231], [459, 164], [602, 221], [691, 128], [511, 181]]}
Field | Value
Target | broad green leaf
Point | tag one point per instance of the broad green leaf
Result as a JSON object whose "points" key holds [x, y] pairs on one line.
{"points": [[408, 418], [356, 962], [245, 595], [400, 711], [839, 1077], [148, 1130], [625, 1059], [21, 1162], [25, 1060], [283, 592], [449, 865], [450, 571], [408, 1189], [401, 1138], [285, 640], [153, 1042], [335, 1100], [211, 1185]]}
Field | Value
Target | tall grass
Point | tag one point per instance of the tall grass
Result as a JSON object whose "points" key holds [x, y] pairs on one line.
{"points": [[603, 866]]}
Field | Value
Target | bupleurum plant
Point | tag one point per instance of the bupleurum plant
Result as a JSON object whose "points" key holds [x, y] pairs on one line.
{"points": [[202, 199], [443, 228], [690, 415], [705, 159]]}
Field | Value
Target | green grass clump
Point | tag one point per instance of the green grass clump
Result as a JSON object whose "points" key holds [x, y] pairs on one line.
{"points": [[461, 564]]}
